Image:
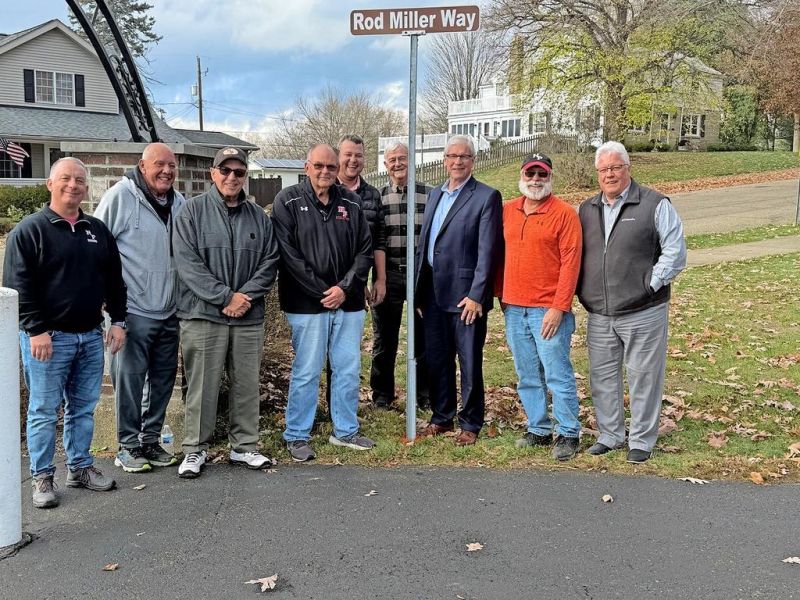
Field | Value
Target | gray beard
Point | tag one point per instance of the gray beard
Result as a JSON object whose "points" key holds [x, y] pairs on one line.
{"points": [[535, 193]]}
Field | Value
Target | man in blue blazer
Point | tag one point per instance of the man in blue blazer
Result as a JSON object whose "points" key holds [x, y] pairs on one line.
{"points": [[459, 250]]}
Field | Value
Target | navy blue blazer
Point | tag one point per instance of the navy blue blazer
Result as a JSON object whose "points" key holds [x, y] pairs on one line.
{"points": [[468, 249]]}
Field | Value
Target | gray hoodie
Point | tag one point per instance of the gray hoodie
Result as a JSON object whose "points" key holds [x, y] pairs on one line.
{"points": [[144, 243]]}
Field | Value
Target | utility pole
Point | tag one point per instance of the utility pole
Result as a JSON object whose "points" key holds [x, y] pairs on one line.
{"points": [[200, 93]]}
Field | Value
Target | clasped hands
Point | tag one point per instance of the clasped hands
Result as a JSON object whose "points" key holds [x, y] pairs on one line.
{"points": [[238, 306]]}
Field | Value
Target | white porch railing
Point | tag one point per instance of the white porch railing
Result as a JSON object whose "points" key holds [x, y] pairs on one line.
{"points": [[434, 140], [480, 105], [20, 181]]}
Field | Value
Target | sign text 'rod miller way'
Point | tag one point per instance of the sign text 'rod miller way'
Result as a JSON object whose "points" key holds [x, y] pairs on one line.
{"points": [[413, 22], [444, 19]]}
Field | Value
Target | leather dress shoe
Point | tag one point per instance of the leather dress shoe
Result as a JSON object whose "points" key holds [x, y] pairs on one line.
{"points": [[638, 456], [432, 429], [466, 438], [598, 449]]}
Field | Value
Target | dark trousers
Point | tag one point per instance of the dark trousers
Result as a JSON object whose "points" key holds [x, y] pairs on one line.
{"points": [[386, 319], [446, 336], [143, 375]]}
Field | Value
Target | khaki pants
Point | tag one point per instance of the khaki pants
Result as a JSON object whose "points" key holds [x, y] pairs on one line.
{"points": [[207, 348]]}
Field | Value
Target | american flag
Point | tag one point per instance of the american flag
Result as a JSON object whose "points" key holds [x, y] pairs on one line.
{"points": [[16, 152]]}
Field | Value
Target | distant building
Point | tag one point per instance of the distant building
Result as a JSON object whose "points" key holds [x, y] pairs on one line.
{"points": [[290, 171]]}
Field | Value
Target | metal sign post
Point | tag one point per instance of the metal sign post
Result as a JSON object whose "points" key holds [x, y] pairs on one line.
{"points": [[413, 22], [411, 212]]}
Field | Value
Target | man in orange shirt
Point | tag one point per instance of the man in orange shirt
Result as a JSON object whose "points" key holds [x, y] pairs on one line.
{"points": [[542, 261]]}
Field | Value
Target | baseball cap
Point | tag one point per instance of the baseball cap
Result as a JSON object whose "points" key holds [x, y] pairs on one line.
{"points": [[228, 153], [538, 160]]}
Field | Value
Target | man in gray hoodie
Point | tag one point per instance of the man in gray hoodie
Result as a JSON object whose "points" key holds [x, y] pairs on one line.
{"points": [[139, 210]]}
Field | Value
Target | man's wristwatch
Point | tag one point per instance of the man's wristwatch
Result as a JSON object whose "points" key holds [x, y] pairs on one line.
{"points": [[121, 324]]}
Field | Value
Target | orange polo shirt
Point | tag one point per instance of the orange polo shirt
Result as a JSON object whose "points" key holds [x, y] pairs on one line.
{"points": [[542, 255]]}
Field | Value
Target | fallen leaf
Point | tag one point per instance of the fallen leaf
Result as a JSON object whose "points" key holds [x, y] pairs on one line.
{"points": [[111, 567], [267, 583], [371, 493], [794, 451], [694, 480], [717, 439], [140, 487], [608, 498], [269, 470], [474, 547], [756, 478], [792, 559]]}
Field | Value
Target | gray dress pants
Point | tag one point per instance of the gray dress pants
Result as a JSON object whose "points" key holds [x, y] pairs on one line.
{"points": [[637, 341]]}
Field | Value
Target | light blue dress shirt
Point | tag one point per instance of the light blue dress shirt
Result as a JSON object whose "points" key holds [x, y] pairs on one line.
{"points": [[670, 235], [445, 204]]}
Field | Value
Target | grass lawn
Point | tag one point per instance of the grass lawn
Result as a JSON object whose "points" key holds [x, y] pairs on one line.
{"points": [[732, 388], [755, 234], [654, 167]]}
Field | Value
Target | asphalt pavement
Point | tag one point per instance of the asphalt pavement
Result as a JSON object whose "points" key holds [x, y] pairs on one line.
{"points": [[335, 532]]}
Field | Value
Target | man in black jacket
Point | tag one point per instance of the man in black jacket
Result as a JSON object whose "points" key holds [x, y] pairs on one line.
{"points": [[65, 265], [325, 257]]}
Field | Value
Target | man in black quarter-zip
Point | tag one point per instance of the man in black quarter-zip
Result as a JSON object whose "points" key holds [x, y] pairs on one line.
{"points": [[65, 266], [226, 256], [326, 255]]}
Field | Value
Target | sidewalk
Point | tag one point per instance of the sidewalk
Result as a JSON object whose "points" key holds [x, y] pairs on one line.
{"points": [[545, 535], [734, 252]]}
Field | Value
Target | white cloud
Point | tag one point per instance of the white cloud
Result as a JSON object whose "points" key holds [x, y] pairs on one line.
{"points": [[311, 26], [393, 94]]}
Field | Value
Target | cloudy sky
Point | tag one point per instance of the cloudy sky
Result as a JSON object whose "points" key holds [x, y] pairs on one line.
{"points": [[260, 55]]}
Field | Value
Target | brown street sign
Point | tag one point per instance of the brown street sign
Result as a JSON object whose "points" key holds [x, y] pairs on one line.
{"points": [[441, 19]]}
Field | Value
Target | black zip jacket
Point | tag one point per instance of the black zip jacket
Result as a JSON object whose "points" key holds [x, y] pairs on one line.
{"points": [[63, 273], [320, 247], [372, 205]]}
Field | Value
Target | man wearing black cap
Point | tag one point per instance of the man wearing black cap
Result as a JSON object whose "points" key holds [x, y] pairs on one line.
{"points": [[226, 256], [536, 286]]}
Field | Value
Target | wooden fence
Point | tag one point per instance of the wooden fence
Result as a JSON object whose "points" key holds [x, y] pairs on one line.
{"points": [[264, 190], [500, 154]]}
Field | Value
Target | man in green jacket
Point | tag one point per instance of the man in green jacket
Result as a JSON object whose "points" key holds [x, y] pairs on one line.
{"points": [[226, 256]]}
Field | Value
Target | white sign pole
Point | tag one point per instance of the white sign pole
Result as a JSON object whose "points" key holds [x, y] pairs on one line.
{"points": [[10, 471], [411, 212]]}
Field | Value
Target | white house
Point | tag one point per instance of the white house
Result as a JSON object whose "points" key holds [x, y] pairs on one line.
{"points": [[54, 89], [290, 171]]}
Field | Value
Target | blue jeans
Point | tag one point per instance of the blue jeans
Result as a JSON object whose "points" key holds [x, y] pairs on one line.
{"points": [[74, 375], [337, 335], [543, 364]]}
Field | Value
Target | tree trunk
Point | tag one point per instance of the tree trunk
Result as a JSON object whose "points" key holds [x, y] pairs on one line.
{"points": [[796, 136]]}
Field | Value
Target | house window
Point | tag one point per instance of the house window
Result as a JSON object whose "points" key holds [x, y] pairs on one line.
{"points": [[537, 123], [55, 88], [510, 127], [8, 168], [301, 177], [639, 128], [691, 126]]}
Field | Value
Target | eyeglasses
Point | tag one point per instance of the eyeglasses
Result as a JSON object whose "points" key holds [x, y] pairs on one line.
{"points": [[463, 157], [325, 167], [541, 174], [225, 171], [612, 170]]}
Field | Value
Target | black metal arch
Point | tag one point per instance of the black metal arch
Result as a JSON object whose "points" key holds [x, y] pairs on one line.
{"points": [[121, 70]]}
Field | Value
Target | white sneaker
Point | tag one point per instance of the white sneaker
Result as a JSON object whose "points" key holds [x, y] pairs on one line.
{"points": [[192, 465], [251, 460]]}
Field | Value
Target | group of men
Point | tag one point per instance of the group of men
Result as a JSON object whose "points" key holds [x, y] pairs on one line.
{"points": [[194, 272]]}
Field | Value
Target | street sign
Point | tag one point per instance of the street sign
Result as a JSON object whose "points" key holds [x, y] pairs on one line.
{"points": [[441, 19]]}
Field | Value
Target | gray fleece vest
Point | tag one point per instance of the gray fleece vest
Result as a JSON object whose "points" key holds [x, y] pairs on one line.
{"points": [[615, 278]]}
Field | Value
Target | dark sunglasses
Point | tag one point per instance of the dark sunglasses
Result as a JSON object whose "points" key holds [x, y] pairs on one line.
{"points": [[225, 171], [533, 172]]}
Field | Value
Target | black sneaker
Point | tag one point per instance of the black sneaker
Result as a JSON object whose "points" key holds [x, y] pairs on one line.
{"points": [[565, 447], [132, 460], [533, 439], [300, 451], [157, 456]]}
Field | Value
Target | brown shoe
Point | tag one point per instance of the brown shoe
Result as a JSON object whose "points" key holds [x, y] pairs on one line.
{"points": [[466, 438], [432, 429]]}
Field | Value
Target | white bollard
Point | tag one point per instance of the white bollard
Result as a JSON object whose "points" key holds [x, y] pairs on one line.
{"points": [[10, 471]]}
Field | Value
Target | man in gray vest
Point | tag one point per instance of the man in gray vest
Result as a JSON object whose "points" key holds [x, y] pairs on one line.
{"points": [[633, 248]]}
